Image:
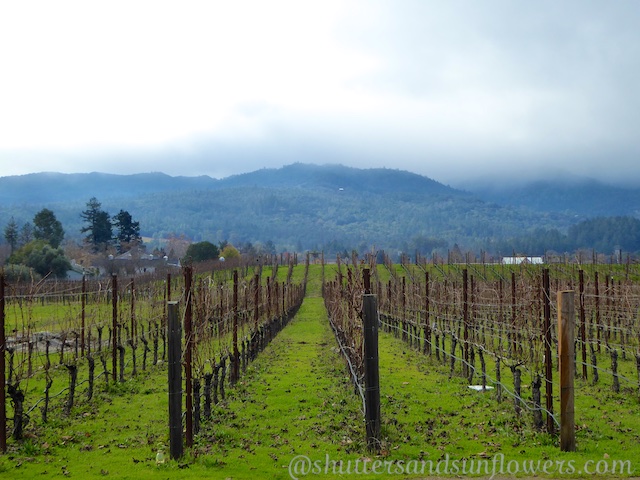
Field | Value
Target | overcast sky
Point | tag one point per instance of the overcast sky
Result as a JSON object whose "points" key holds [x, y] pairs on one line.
{"points": [[448, 89]]}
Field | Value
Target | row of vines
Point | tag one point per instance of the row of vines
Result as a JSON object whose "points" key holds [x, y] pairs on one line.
{"points": [[496, 326], [64, 340]]}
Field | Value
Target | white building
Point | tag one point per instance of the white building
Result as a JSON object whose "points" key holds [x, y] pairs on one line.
{"points": [[521, 259]]}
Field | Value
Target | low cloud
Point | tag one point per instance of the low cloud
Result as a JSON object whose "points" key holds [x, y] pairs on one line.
{"points": [[451, 90]]}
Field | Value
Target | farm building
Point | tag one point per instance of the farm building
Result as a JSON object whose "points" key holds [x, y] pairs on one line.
{"points": [[521, 259]]}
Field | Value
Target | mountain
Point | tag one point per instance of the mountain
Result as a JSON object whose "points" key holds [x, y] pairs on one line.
{"points": [[312, 207], [581, 197], [332, 177], [47, 187]]}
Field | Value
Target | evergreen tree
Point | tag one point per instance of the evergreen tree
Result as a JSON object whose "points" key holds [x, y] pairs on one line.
{"points": [[48, 228], [128, 231], [26, 234], [98, 225], [11, 234]]}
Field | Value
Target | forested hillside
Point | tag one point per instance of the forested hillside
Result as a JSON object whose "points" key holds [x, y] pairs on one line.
{"points": [[586, 198], [309, 207]]}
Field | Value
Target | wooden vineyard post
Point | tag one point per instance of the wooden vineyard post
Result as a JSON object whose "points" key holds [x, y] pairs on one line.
{"points": [[235, 372], [83, 300], [164, 326], [188, 357], [256, 302], [404, 310], [134, 333], [114, 327], [268, 299], [427, 326], [465, 321], [566, 327], [583, 327], [548, 361], [371, 366], [175, 381], [514, 343], [597, 298], [284, 299], [3, 349]]}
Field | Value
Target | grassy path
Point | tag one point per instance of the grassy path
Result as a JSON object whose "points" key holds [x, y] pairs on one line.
{"points": [[295, 400]]}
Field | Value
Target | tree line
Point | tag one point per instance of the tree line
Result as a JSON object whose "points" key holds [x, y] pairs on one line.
{"points": [[99, 228], [36, 246]]}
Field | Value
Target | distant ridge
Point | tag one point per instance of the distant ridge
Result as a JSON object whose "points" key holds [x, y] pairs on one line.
{"points": [[582, 197], [36, 188], [380, 180]]}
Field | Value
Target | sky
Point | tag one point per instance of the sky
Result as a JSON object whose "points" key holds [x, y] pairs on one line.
{"points": [[454, 90]]}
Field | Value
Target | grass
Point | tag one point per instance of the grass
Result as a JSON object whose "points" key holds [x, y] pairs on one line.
{"points": [[428, 415], [119, 429]]}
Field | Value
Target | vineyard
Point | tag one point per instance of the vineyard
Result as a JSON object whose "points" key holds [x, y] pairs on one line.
{"points": [[481, 322], [471, 342], [100, 331]]}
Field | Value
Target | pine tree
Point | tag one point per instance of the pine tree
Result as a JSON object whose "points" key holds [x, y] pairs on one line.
{"points": [[98, 225], [11, 234], [26, 234], [128, 231]]}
